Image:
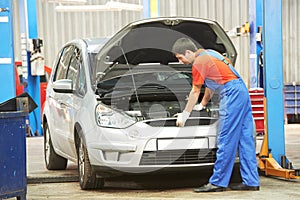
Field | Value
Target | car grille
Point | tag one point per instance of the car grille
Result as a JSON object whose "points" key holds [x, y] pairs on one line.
{"points": [[178, 157], [189, 122]]}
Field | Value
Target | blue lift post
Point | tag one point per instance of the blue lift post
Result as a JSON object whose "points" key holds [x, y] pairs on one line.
{"points": [[28, 11], [256, 46], [273, 72], [7, 75], [272, 156], [12, 129], [259, 44], [253, 55]]}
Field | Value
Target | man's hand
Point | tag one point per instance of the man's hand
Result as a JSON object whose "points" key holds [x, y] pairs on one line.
{"points": [[199, 107], [181, 118]]}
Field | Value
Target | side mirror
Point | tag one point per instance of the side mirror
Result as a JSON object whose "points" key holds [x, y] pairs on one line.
{"points": [[63, 86]]}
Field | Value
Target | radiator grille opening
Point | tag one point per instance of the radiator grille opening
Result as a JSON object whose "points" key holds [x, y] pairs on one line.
{"points": [[178, 157]]}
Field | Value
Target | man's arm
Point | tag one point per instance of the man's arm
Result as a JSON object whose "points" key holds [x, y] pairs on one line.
{"points": [[207, 96], [193, 98]]}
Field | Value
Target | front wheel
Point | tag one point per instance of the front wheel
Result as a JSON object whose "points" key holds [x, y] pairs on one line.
{"points": [[87, 178], [52, 159]]}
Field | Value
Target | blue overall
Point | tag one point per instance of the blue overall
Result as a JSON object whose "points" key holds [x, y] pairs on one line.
{"points": [[235, 130]]}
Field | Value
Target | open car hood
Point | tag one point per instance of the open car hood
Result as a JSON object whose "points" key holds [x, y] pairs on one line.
{"points": [[151, 41], [136, 71]]}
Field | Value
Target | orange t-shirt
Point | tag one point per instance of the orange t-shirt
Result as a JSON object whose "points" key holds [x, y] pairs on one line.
{"points": [[206, 66]]}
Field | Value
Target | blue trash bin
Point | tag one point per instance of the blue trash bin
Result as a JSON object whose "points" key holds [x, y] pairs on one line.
{"points": [[13, 179]]}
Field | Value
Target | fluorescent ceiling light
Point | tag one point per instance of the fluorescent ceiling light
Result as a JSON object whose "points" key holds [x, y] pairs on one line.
{"points": [[124, 6], [109, 6], [84, 8]]}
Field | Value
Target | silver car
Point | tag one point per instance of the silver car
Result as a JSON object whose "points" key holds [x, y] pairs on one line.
{"points": [[112, 102]]}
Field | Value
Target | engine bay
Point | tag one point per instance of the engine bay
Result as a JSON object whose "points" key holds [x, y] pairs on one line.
{"points": [[151, 92]]}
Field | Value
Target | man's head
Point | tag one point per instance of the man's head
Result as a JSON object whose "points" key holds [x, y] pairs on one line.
{"points": [[184, 50]]}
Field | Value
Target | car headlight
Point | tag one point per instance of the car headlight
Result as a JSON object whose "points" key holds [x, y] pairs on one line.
{"points": [[107, 117]]}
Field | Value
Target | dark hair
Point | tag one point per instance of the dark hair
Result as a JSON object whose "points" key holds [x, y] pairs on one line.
{"points": [[183, 44]]}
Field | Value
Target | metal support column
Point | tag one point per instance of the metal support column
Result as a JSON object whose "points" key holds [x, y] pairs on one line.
{"points": [[259, 42], [28, 11], [273, 74], [7, 75], [253, 55]]}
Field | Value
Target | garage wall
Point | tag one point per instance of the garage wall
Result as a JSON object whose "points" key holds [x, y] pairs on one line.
{"points": [[57, 28], [228, 13], [232, 13], [62, 26], [291, 40]]}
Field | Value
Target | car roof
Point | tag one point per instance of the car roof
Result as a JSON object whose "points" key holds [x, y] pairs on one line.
{"points": [[95, 44]]}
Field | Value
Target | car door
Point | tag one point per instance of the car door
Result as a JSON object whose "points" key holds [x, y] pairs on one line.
{"points": [[59, 117], [71, 102]]}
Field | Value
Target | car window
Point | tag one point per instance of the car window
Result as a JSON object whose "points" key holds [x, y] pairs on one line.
{"points": [[61, 70], [73, 69], [76, 73], [81, 81], [167, 78]]}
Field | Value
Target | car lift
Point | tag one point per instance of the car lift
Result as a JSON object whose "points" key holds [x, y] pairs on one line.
{"points": [[270, 166], [6, 52], [272, 159]]}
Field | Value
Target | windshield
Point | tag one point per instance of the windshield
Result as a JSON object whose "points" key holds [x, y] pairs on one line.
{"points": [[94, 46], [149, 76]]}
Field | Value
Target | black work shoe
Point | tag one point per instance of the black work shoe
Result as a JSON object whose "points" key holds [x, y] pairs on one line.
{"points": [[244, 187], [209, 188]]}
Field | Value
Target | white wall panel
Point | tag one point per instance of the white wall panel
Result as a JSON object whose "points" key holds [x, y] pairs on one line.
{"points": [[291, 37], [228, 13], [56, 28]]}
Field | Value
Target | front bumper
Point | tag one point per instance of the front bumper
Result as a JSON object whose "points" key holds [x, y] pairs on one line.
{"points": [[142, 148]]}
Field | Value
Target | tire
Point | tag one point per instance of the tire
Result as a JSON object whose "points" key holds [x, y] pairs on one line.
{"points": [[87, 178], [53, 161]]}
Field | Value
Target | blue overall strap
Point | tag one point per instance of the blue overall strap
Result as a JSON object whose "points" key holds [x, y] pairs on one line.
{"points": [[221, 58]]}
